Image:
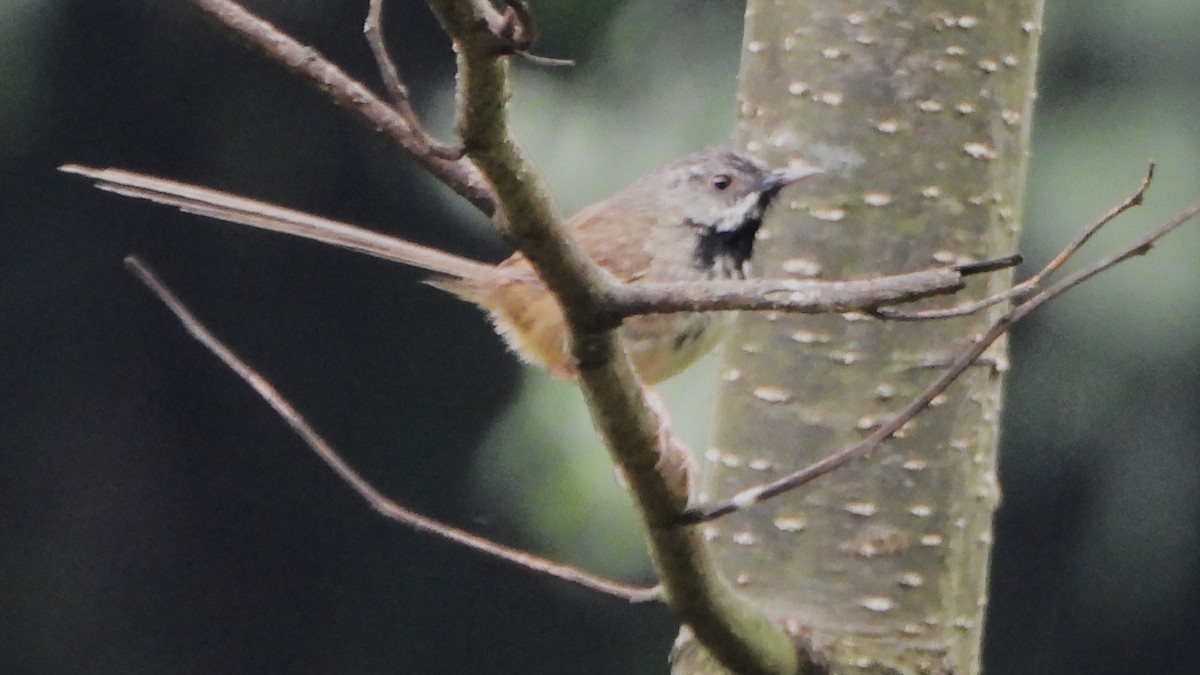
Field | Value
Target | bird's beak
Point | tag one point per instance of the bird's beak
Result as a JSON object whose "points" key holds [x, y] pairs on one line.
{"points": [[784, 177]]}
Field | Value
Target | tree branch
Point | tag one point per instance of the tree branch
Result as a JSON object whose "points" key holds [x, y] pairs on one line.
{"points": [[373, 30], [739, 635], [1025, 287], [385, 506], [789, 295], [963, 360], [311, 66]]}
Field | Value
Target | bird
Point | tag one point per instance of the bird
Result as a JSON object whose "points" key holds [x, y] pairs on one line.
{"points": [[694, 219]]}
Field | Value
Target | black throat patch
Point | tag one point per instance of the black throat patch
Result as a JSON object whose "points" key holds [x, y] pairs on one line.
{"points": [[723, 254]]}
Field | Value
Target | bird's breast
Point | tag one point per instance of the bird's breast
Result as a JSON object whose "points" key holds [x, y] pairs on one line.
{"points": [[663, 345]]}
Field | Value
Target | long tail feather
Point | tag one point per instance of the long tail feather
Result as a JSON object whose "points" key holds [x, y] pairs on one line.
{"points": [[232, 208]]}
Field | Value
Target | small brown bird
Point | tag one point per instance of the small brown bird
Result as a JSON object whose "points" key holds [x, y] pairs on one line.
{"points": [[691, 220]]}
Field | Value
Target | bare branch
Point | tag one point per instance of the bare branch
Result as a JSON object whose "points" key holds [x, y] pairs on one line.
{"points": [[529, 216], [961, 362], [1140, 247], [387, 507], [1027, 286], [787, 295], [373, 30], [742, 637], [343, 90], [545, 60], [964, 309], [1088, 232]]}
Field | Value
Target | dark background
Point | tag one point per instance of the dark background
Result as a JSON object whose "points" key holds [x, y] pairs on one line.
{"points": [[158, 518]]}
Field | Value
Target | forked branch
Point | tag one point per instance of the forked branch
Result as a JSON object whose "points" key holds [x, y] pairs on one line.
{"points": [[385, 506], [1026, 304], [495, 175], [396, 124], [390, 74], [1023, 289]]}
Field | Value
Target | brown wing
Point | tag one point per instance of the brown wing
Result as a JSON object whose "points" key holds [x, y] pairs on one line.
{"points": [[610, 238], [614, 238]]}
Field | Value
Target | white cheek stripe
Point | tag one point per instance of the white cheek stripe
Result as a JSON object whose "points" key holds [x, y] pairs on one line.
{"points": [[746, 208]]}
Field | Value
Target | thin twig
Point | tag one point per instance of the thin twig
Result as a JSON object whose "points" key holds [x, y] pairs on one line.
{"points": [[385, 506], [1140, 247], [547, 61], [1027, 286], [1136, 199], [458, 174], [963, 309], [964, 360], [373, 30]]}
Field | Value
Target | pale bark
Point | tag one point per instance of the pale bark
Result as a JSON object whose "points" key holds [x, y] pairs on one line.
{"points": [[920, 114]]}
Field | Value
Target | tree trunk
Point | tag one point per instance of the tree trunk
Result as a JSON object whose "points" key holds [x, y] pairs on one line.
{"points": [[920, 114]]}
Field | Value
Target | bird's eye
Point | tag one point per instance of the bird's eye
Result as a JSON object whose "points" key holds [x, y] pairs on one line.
{"points": [[722, 181]]}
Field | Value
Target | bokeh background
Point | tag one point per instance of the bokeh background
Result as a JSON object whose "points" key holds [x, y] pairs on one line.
{"points": [[158, 518]]}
